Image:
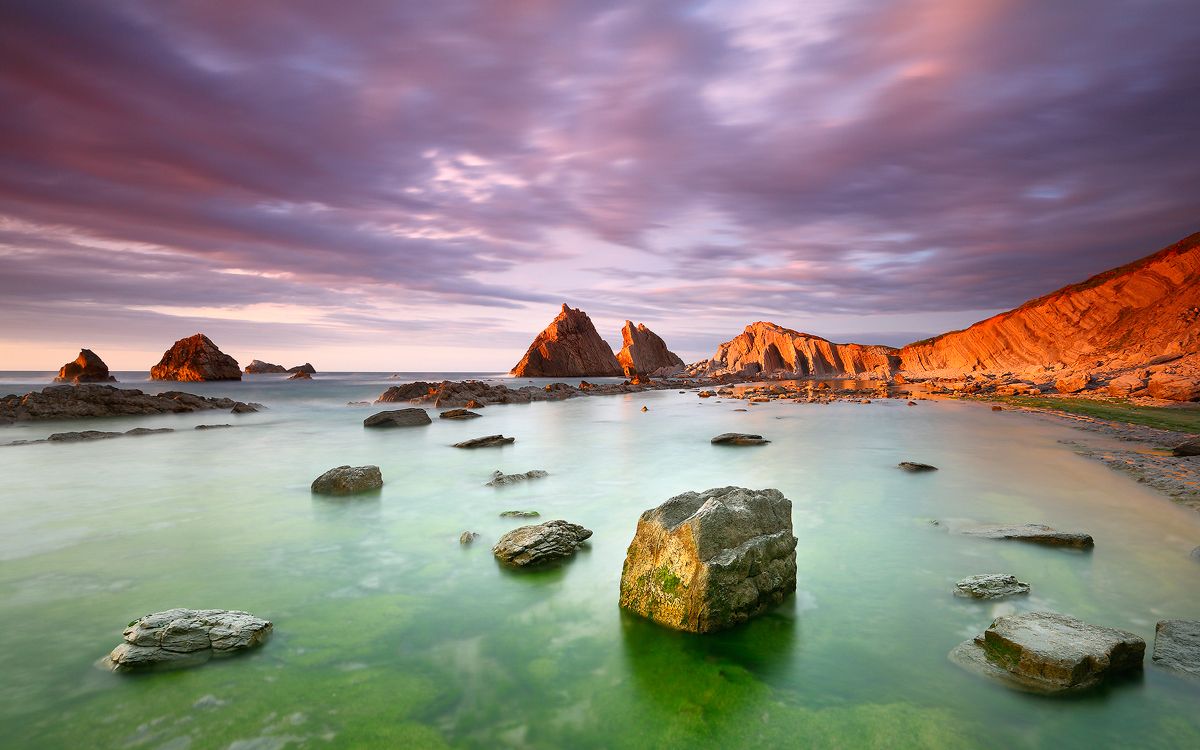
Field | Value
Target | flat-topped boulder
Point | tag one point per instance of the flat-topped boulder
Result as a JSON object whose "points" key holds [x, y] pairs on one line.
{"points": [[459, 414], [500, 479], [704, 561], [348, 480], [990, 586], [87, 368], [487, 441], [194, 359], [179, 638], [1050, 653], [568, 347], [1034, 533], [1177, 646], [738, 438], [89, 400], [541, 543], [258, 367], [398, 418]]}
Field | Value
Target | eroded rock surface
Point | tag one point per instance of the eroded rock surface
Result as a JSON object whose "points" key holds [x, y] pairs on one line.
{"points": [[185, 638], [1048, 652], [541, 543], [705, 561], [1035, 533], [398, 418], [500, 479], [93, 400], [1177, 646], [990, 586], [348, 480], [87, 368], [568, 347], [194, 359]]}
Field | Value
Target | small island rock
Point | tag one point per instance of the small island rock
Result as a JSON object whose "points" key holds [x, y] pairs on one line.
{"points": [[195, 359], [305, 368], [348, 480], [541, 543], [87, 368]]}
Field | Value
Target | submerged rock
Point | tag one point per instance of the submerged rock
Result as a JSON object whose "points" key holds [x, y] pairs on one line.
{"points": [[459, 414], [487, 441], [913, 466], [398, 418], [704, 561], [186, 637], [299, 376], [542, 543], [348, 480], [1035, 533], [196, 358], [990, 586], [738, 438], [87, 368], [467, 537], [1050, 653], [1177, 646], [500, 479]]}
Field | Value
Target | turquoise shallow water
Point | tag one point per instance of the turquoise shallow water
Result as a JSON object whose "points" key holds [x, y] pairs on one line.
{"points": [[389, 634]]}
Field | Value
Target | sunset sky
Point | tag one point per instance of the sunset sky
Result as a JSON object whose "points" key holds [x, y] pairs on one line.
{"points": [[415, 186]]}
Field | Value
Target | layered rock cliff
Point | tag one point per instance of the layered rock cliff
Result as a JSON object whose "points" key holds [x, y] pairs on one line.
{"points": [[1126, 317], [644, 352], [568, 347], [196, 358], [768, 348], [87, 368]]}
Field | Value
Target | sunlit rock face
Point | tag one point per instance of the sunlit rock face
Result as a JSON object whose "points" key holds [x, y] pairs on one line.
{"points": [[705, 561], [768, 348], [196, 358], [1140, 314], [568, 347], [87, 368], [643, 351]]}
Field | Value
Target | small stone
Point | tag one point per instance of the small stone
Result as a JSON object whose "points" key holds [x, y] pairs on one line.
{"points": [[1177, 646], [500, 479], [467, 537], [398, 418], [990, 586], [487, 441], [348, 480], [541, 543], [738, 438], [459, 414], [520, 514], [914, 466], [644, 408], [212, 426]]}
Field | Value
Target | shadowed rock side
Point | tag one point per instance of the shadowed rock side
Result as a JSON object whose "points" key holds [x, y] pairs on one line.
{"points": [[193, 359], [568, 347], [642, 351], [1125, 317], [87, 368], [767, 348], [94, 400], [705, 561]]}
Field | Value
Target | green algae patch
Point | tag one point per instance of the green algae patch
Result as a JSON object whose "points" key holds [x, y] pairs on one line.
{"points": [[667, 581], [1183, 418]]}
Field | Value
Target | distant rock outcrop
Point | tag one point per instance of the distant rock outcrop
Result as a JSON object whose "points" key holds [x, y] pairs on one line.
{"points": [[94, 400], [768, 348], [258, 367], [196, 358], [568, 347], [306, 367], [87, 368], [642, 351]]}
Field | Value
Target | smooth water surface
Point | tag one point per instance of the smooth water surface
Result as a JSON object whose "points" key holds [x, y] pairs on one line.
{"points": [[388, 633]]}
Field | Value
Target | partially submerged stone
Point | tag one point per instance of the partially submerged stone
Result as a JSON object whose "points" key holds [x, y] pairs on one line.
{"points": [[1177, 646], [738, 438], [990, 586], [704, 561], [467, 537], [348, 480], [186, 637], [913, 466], [541, 543], [487, 441], [500, 479], [1035, 533], [519, 514], [413, 417], [459, 414], [1050, 653]]}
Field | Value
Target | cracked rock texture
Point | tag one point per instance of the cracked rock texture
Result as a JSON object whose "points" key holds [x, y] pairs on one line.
{"points": [[1177, 646], [186, 637], [540, 543]]}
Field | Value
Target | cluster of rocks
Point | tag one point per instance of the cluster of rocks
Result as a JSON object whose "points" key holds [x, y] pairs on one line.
{"points": [[94, 400], [258, 367]]}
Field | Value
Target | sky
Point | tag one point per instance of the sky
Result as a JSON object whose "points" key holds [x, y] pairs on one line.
{"points": [[406, 186]]}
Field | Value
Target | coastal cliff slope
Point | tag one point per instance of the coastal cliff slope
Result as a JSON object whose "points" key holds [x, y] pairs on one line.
{"points": [[568, 347], [1124, 317], [643, 351], [769, 348]]}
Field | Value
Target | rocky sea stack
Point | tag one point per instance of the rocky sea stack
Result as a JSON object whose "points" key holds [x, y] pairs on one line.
{"points": [[705, 561], [767, 348], [568, 347], [643, 352], [87, 368], [196, 359]]}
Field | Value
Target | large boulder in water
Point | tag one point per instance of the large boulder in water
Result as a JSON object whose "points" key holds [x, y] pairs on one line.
{"points": [[704, 561], [193, 359], [348, 480], [568, 347], [87, 368], [185, 638], [1050, 653], [398, 418], [541, 543]]}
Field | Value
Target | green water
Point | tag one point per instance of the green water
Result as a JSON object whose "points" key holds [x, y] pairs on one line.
{"points": [[388, 633]]}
